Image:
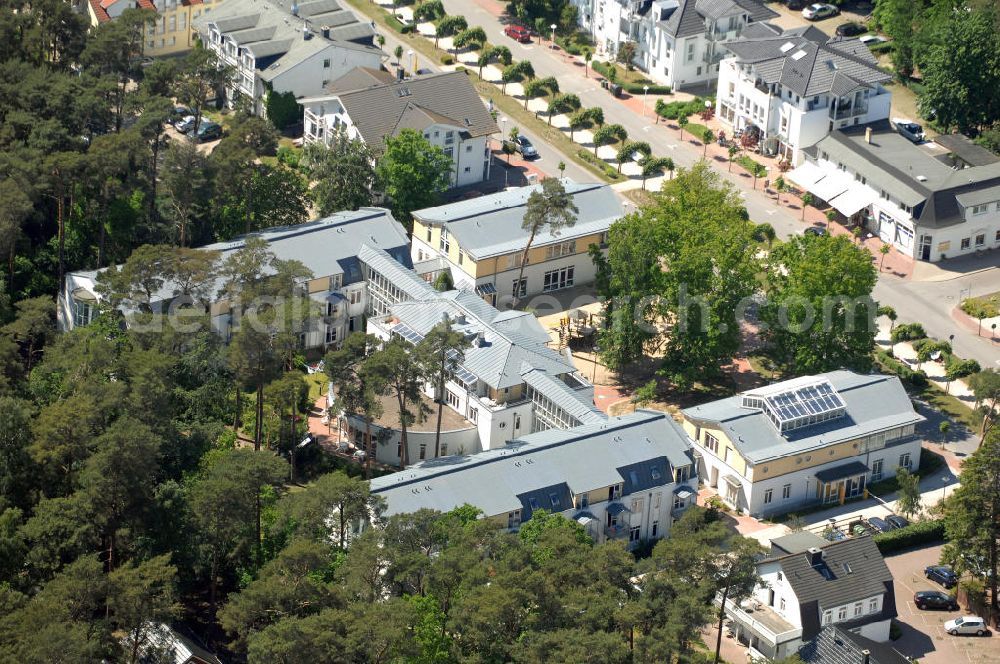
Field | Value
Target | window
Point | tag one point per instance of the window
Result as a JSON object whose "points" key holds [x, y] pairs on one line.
{"points": [[637, 505], [711, 443], [876, 470], [449, 138], [331, 334], [83, 312], [679, 503], [780, 576], [428, 233], [354, 297], [615, 492], [461, 257], [997, 238], [519, 289], [554, 499], [582, 500], [690, 51], [468, 148], [558, 279], [514, 519], [399, 450], [827, 616], [474, 415], [873, 605], [423, 450], [786, 493], [857, 609], [768, 494], [904, 460], [468, 169], [781, 605], [980, 209], [965, 243], [452, 399], [842, 613], [656, 529], [560, 249], [445, 242], [981, 239], [326, 63], [633, 534], [444, 449]]}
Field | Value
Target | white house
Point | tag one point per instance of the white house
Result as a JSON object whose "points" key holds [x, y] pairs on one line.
{"points": [[793, 87], [625, 478], [285, 46], [810, 440], [810, 584], [929, 201], [328, 247], [509, 383], [679, 42], [372, 105], [480, 241]]}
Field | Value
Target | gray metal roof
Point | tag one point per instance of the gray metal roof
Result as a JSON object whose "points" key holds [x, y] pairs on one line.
{"points": [[491, 225], [563, 396], [327, 246], [509, 344], [963, 147], [269, 30], [405, 279], [689, 17], [584, 458], [807, 61], [874, 403], [382, 110], [849, 469], [911, 173], [796, 542]]}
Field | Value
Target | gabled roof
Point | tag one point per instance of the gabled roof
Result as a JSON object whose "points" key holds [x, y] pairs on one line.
{"points": [[562, 395], [834, 645], [873, 403], [689, 17], [490, 225], [380, 109], [914, 174], [807, 61], [560, 462], [360, 77], [850, 570]]}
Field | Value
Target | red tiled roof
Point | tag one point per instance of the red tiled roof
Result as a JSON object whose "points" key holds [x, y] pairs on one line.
{"points": [[187, 3], [99, 11], [146, 4]]}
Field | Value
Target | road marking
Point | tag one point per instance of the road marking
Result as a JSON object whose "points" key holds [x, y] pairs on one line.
{"points": [[672, 147], [770, 212], [646, 128]]}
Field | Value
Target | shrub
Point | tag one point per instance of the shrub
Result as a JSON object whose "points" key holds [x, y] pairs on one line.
{"points": [[908, 332], [980, 308], [282, 109], [889, 364], [921, 532], [407, 29], [447, 60], [752, 167], [288, 156], [599, 164]]}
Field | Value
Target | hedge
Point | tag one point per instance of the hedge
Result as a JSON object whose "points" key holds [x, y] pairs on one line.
{"points": [[751, 166], [921, 532], [881, 47], [600, 164], [447, 60], [634, 88], [891, 365]]}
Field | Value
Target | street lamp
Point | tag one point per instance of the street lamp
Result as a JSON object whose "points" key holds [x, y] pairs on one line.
{"points": [[945, 487], [553, 26], [645, 93]]}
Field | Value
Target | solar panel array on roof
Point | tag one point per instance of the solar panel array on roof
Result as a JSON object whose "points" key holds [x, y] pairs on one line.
{"points": [[408, 333], [801, 406]]}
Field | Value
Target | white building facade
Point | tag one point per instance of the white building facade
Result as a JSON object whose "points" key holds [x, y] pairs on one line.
{"points": [[794, 87], [678, 42]]}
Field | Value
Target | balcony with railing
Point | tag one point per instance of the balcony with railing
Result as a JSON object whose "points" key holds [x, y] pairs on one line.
{"points": [[849, 111], [760, 625]]}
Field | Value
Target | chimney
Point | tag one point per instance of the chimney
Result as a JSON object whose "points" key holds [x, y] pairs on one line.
{"points": [[400, 74], [480, 339], [814, 555], [866, 656], [868, 135], [325, 31]]}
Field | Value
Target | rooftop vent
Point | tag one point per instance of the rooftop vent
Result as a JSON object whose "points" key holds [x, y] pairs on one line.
{"points": [[922, 178], [814, 555]]}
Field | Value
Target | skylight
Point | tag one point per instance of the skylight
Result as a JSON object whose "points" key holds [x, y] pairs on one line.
{"points": [[795, 404], [798, 55], [787, 46]]}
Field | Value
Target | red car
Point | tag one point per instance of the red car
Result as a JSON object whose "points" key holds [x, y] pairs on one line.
{"points": [[518, 33]]}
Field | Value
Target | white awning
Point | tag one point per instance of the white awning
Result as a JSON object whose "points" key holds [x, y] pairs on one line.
{"points": [[857, 197], [806, 175], [833, 185]]}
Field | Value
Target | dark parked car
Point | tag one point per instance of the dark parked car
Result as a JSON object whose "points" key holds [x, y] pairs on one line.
{"points": [[934, 599], [881, 525], [851, 29], [942, 574], [818, 231], [207, 131], [524, 146], [897, 521], [796, 4]]}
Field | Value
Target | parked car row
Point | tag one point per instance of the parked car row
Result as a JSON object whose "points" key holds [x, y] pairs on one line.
{"points": [[183, 122], [891, 522]]}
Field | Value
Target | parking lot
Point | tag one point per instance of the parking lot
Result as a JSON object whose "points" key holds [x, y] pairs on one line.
{"points": [[924, 637]]}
